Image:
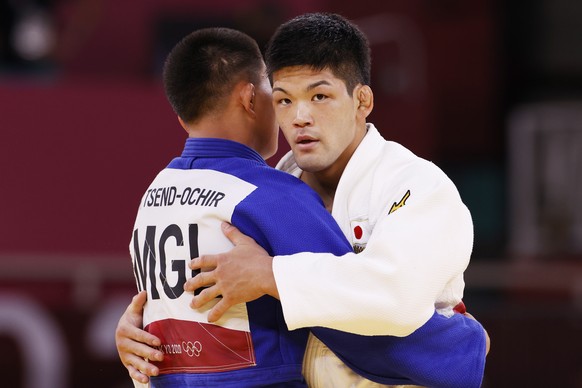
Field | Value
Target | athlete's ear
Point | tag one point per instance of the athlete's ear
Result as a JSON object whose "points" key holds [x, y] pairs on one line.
{"points": [[247, 98], [364, 98]]}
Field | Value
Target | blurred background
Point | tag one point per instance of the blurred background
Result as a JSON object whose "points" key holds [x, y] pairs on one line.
{"points": [[491, 91]]}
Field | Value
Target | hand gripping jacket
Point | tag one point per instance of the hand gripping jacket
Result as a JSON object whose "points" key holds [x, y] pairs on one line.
{"points": [[179, 218]]}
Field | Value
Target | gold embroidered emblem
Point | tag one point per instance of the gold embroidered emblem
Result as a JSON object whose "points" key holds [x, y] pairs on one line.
{"points": [[402, 202]]}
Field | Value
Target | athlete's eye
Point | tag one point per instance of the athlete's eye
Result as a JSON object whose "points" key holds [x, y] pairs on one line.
{"points": [[319, 97]]}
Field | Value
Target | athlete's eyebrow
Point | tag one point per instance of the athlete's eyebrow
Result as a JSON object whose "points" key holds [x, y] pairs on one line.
{"points": [[316, 84], [308, 88]]}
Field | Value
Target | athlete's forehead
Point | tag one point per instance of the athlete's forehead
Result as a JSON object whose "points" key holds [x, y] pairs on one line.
{"points": [[304, 78]]}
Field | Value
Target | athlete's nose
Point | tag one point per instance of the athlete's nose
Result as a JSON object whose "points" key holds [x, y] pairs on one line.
{"points": [[302, 115]]}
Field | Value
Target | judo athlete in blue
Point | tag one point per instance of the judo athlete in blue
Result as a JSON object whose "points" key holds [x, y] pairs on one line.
{"points": [[219, 177]]}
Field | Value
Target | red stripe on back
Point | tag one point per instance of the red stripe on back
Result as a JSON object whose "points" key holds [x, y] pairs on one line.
{"points": [[195, 347]]}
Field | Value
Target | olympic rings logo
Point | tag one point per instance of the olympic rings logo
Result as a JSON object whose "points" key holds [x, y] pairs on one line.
{"points": [[192, 348]]}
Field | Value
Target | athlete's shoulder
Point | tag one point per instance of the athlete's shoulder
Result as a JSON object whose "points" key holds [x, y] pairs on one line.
{"points": [[279, 184], [403, 164], [400, 176]]}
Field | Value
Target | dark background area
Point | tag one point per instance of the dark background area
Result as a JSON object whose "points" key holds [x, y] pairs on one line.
{"points": [[488, 90]]}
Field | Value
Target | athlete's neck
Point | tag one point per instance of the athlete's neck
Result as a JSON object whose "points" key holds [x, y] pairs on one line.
{"points": [[326, 190]]}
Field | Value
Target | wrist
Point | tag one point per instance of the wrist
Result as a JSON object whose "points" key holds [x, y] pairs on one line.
{"points": [[269, 283]]}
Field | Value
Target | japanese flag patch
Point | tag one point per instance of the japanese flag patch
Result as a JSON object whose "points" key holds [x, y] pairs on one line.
{"points": [[360, 234]]}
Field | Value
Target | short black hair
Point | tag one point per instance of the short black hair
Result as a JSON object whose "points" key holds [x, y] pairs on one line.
{"points": [[203, 68], [321, 40]]}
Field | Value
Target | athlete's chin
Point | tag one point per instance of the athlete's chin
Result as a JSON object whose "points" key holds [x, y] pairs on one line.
{"points": [[310, 163]]}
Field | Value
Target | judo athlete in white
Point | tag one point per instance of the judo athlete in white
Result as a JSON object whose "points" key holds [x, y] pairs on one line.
{"points": [[401, 213]]}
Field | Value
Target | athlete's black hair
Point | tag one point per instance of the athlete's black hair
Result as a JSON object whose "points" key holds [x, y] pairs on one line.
{"points": [[203, 67], [321, 40]]}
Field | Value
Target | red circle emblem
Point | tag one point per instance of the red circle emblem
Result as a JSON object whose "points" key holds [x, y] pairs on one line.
{"points": [[358, 232]]}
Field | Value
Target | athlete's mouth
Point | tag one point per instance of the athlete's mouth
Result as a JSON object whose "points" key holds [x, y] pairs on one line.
{"points": [[305, 140]]}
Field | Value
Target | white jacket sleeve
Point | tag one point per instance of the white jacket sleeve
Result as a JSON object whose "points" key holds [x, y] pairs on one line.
{"points": [[391, 287]]}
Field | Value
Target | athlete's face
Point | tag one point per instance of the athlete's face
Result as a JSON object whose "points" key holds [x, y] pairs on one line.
{"points": [[267, 129], [318, 117]]}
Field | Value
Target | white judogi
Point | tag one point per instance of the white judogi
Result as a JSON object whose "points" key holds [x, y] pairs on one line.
{"points": [[415, 238]]}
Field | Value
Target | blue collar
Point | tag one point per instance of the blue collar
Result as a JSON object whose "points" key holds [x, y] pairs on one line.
{"points": [[218, 148]]}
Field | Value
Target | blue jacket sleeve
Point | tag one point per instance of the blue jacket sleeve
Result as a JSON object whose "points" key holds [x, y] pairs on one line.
{"points": [[444, 352]]}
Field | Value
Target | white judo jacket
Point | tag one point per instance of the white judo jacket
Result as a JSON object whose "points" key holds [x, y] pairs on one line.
{"points": [[414, 236]]}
